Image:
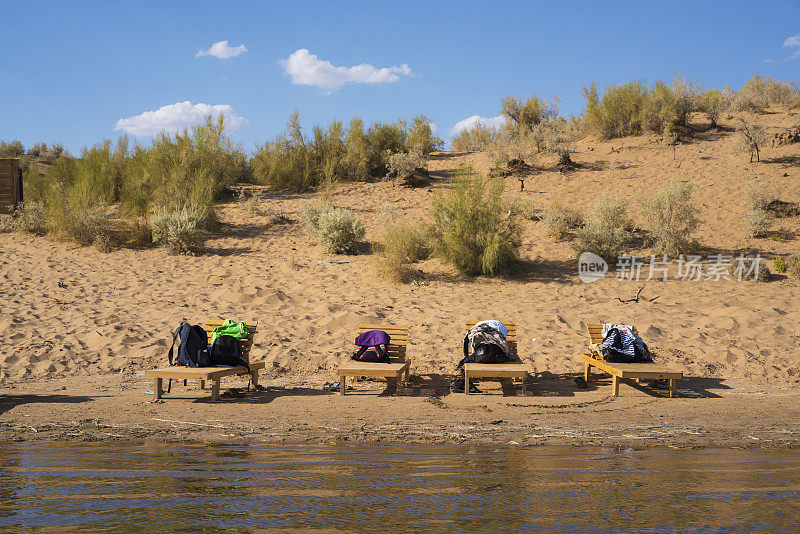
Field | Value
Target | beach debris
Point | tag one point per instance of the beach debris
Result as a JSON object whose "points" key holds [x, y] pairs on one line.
{"points": [[636, 298]]}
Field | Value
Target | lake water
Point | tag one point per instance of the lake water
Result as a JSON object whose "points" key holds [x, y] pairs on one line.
{"points": [[90, 487]]}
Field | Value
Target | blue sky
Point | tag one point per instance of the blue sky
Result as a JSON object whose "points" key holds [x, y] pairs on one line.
{"points": [[72, 70]]}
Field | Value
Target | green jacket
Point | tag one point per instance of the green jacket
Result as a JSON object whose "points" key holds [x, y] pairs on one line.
{"points": [[237, 329]]}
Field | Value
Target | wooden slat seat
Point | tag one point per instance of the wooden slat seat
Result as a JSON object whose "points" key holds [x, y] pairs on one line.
{"points": [[212, 374], [399, 366], [511, 369], [624, 371]]}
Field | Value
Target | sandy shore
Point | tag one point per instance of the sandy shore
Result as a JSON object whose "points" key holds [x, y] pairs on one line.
{"points": [[707, 413]]}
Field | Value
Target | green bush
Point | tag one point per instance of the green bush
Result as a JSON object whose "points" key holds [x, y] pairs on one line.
{"points": [[472, 229], [30, 217], [525, 115], [632, 108], [336, 230], [607, 231], [403, 245], [179, 229], [474, 139], [421, 137], [559, 219], [780, 264], [671, 218], [11, 149], [713, 102]]}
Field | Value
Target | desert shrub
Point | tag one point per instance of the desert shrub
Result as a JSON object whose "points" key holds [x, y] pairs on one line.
{"points": [[421, 137], [780, 264], [757, 222], [384, 139], [632, 108], [11, 149], [43, 153], [759, 195], [558, 137], [286, 162], [793, 267], [752, 96], [6, 224], [403, 164], [713, 102], [523, 208], [336, 230], [671, 218], [179, 228], [357, 157], [607, 231], [618, 112], [559, 219], [512, 144], [474, 139], [403, 245], [524, 115], [30, 217], [751, 137], [471, 228]]}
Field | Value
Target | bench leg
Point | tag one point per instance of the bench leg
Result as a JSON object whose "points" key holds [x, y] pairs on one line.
{"points": [[672, 384], [587, 372], [254, 378], [615, 386], [342, 384], [407, 376], [159, 389], [466, 382], [215, 390], [202, 384], [523, 383]]}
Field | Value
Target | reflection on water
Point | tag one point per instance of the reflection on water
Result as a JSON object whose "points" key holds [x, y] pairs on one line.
{"points": [[86, 487]]}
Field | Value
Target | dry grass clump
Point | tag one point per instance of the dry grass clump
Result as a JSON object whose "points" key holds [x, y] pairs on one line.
{"points": [[751, 137], [478, 137], [524, 208], [472, 229], [559, 219], [403, 245], [607, 231], [179, 229], [30, 217], [671, 218], [757, 218], [793, 266], [334, 229], [780, 264]]}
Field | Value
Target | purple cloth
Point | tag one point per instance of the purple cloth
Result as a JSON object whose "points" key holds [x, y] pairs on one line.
{"points": [[372, 338]]}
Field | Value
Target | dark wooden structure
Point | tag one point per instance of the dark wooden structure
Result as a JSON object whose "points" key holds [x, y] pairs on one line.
{"points": [[10, 185]]}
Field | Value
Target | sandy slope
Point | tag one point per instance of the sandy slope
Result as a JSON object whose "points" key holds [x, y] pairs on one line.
{"points": [[115, 310]]}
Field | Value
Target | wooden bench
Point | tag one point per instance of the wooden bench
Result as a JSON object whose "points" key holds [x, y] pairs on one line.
{"points": [[398, 367], [510, 369], [624, 371], [212, 374]]}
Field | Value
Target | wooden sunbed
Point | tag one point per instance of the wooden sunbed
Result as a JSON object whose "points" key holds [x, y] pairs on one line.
{"points": [[212, 374], [624, 371], [398, 367], [512, 369]]}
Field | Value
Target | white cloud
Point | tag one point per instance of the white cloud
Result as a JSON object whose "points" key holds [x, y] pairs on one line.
{"points": [[305, 68], [769, 61], [793, 42], [222, 50], [469, 122], [176, 117]]}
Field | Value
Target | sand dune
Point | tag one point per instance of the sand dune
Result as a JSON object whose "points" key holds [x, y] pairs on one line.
{"points": [[75, 311]]}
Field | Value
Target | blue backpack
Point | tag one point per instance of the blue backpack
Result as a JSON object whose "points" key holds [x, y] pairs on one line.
{"points": [[193, 350]]}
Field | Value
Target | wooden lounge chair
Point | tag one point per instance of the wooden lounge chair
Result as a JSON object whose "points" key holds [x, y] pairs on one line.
{"points": [[512, 369], [212, 374], [398, 367], [623, 371]]}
